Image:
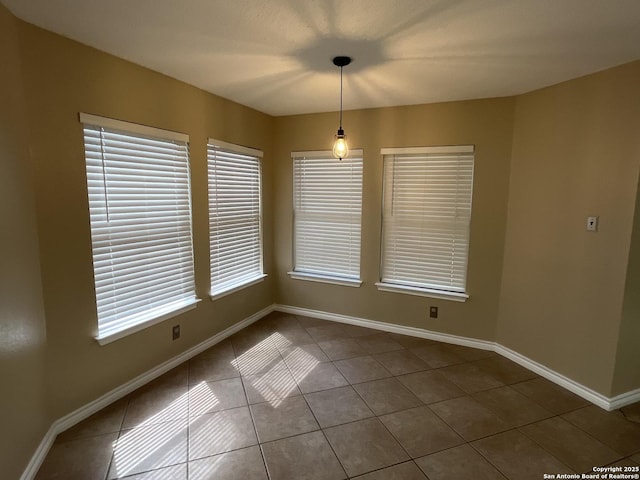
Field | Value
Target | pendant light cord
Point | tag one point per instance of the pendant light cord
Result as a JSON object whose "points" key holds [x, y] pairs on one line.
{"points": [[340, 98]]}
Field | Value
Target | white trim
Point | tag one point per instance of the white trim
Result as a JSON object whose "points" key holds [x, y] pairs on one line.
{"points": [[387, 327], [112, 337], [353, 152], [254, 152], [555, 377], [40, 454], [592, 396], [315, 277], [236, 288], [445, 149], [422, 292], [89, 119], [108, 398], [624, 399]]}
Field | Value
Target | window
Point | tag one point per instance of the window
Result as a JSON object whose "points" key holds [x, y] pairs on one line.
{"points": [[426, 216], [235, 217], [140, 214], [327, 216]]}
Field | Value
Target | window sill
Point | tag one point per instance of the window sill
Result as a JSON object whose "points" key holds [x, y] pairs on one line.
{"points": [[118, 334], [423, 292], [311, 277], [234, 288]]}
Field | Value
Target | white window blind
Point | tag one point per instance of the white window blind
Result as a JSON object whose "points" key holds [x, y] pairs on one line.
{"points": [[235, 217], [327, 214], [140, 213], [426, 217]]}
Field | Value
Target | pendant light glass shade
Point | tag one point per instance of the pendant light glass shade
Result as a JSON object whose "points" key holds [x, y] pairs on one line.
{"points": [[340, 147]]}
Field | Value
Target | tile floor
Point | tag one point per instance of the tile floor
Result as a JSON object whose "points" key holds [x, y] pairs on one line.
{"points": [[293, 397]]}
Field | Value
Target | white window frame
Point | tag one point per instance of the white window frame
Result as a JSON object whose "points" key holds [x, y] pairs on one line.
{"points": [[336, 257], [140, 217], [415, 258], [234, 186]]}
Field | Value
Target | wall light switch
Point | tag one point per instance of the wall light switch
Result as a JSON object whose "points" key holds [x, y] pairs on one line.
{"points": [[592, 224]]}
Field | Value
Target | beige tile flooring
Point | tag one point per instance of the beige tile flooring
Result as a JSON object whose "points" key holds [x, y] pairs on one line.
{"points": [[293, 397]]}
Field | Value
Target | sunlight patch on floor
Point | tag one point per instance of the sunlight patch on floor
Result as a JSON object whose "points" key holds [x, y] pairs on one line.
{"points": [[202, 399], [277, 384], [161, 440], [301, 363], [264, 354], [150, 446]]}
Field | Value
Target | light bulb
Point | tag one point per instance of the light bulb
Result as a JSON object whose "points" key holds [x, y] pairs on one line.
{"points": [[340, 147]]}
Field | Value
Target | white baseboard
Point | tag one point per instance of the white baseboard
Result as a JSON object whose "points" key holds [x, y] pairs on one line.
{"points": [[551, 375], [388, 327], [89, 409], [41, 452], [625, 399], [555, 377]]}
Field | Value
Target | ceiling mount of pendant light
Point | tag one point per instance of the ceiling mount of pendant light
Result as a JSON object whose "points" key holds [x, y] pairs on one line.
{"points": [[340, 147]]}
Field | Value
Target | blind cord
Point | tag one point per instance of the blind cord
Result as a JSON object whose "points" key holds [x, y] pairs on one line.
{"points": [[104, 175]]}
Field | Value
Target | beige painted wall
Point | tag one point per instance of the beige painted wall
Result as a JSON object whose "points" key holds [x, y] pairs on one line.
{"points": [[626, 377], [63, 78], [23, 416], [575, 154], [485, 123]]}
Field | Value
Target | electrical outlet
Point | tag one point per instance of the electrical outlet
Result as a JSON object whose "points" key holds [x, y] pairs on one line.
{"points": [[433, 312], [176, 332]]}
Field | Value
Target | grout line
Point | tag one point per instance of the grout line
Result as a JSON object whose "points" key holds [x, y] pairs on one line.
{"points": [[113, 453], [264, 461], [307, 403], [326, 439], [487, 459], [188, 417], [253, 421], [546, 449]]}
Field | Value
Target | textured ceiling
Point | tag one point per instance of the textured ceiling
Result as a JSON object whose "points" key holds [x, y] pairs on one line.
{"points": [[275, 55]]}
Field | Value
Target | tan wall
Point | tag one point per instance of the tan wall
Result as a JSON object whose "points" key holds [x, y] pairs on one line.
{"points": [[485, 123], [575, 154], [23, 417], [626, 377], [63, 78]]}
